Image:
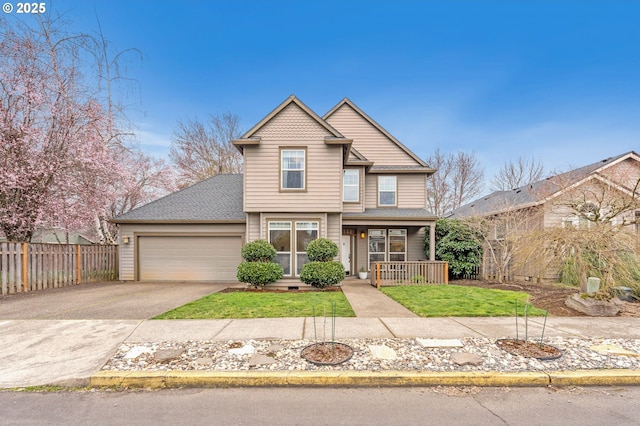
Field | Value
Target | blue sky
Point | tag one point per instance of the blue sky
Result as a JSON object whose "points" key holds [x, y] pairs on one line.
{"points": [[557, 80]]}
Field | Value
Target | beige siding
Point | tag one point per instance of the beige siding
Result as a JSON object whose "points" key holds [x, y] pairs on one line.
{"points": [[368, 140], [253, 227], [127, 252], [334, 228], [292, 128], [411, 191]]}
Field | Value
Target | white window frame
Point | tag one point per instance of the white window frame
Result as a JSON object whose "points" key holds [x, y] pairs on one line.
{"points": [[302, 169], [309, 225], [382, 188], [397, 233], [346, 185], [283, 225], [377, 233]]}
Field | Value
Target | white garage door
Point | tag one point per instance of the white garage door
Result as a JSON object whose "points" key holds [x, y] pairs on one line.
{"points": [[188, 258]]}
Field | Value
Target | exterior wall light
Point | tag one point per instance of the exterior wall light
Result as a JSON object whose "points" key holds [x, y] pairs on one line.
{"points": [[362, 235], [125, 239]]}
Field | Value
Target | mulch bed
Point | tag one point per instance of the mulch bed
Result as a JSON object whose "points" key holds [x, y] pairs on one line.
{"points": [[327, 353], [529, 349]]}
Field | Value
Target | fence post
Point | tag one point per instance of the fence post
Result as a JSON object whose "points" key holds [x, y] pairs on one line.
{"points": [[446, 272], [78, 266], [378, 275], [25, 261]]}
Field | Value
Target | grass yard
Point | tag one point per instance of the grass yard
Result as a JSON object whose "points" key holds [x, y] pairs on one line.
{"points": [[262, 305], [460, 301]]}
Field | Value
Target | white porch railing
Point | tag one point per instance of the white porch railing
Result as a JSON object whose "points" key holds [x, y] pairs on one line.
{"points": [[409, 273]]}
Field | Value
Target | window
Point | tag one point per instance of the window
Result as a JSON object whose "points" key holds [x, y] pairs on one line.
{"points": [[387, 191], [292, 166], [397, 245], [377, 245], [351, 185], [280, 238], [305, 233], [388, 245]]}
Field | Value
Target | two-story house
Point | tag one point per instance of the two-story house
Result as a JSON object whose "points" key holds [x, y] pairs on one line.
{"points": [[604, 191], [340, 176]]}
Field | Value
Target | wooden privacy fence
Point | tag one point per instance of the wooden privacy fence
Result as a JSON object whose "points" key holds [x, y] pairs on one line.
{"points": [[28, 267], [409, 273]]}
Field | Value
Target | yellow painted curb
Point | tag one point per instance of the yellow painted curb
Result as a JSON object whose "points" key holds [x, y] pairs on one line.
{"points": [[595, 377], [174, 379]]}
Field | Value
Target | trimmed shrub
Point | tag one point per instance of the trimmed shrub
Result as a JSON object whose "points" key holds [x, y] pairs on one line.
{"points": [[322, 250], [457, 244], [258, 251], [322, 274], [259, 274]]}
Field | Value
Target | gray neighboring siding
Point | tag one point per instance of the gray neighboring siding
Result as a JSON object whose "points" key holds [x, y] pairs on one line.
{"points": [[294, 128]]}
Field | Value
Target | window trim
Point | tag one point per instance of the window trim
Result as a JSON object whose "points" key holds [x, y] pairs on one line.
{"points": [[395, 191], [357, 185], [283, 149], [295, 237], [291, 249]]}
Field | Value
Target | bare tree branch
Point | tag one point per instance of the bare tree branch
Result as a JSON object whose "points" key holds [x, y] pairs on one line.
{"points": [[518, 173]]}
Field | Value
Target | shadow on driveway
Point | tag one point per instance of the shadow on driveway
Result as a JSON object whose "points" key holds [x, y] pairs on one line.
{"points": [[107, 300]]}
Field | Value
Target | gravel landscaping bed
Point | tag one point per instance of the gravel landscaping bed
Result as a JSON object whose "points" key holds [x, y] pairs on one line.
{"points": [[478, 354]]}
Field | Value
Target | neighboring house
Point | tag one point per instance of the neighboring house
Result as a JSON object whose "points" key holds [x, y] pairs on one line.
{"points": [[608, 190], [56, 236], [340, 176]]}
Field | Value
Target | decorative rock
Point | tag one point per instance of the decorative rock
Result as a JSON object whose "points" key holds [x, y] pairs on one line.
{"points": [[167, 355], [274, 349], [203, 361], [136, 351], [259, 359], [440, 343], [465, 358], [382, 352], [593, 307], [613, 350], [245, 350]]}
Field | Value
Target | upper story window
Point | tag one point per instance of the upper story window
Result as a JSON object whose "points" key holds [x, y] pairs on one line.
{"points": [[387, 191], [292, 166], [351, 185]]}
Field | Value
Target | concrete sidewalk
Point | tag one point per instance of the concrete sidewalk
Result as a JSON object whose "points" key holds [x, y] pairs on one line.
{"points": [[40, 352]]}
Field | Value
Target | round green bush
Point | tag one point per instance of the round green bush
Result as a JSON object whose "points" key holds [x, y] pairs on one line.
{"points": [[259, 274], [322, 250], [322, 274], [258, 251]]}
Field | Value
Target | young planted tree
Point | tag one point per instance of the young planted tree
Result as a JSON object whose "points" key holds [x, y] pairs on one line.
{"points": [[201, 150]]}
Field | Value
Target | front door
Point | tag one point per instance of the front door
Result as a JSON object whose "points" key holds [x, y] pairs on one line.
{"points": [[345, 255]]}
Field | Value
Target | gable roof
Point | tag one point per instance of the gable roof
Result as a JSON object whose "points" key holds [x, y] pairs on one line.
{"points": [[216, 199], [538, 192], [381, 129]]}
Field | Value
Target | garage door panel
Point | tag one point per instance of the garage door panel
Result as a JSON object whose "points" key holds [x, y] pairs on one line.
{"points": [[190, 258]]}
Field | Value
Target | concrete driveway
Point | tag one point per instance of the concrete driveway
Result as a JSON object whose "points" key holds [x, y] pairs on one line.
{"points": [[108, 300]]}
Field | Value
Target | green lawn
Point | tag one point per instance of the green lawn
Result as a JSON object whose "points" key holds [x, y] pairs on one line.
{"points": [[262, 305], [460, 301]]}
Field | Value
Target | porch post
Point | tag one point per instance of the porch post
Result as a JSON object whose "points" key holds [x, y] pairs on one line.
{"points": [[432, 241]]}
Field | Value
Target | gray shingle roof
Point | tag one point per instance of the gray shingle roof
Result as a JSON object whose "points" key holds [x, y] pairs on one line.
{"points": [[390, 213], [529, 194], [218, 198]]}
